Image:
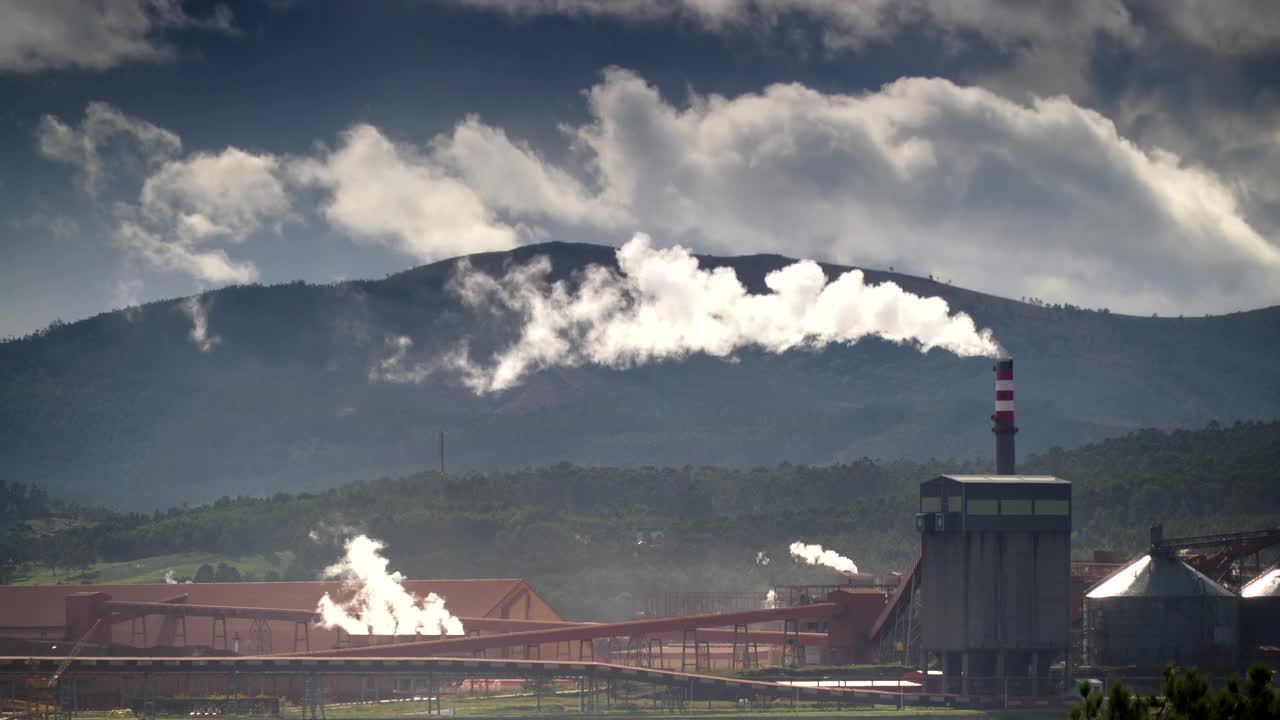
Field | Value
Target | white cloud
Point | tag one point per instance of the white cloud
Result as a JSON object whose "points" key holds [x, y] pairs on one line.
{"points": [[104, 127], [93, 34], [211, 266], [396, 195], [231, 195], [997, 195], [184, 203], [511, 177], [188, 204], [1038, 198]]}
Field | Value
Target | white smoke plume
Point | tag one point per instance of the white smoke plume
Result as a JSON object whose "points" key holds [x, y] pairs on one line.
{"points": [[380, 604], [171, 579], [199, 334], [395, 367], [663, 306], [762, 558], [817, 555], [771, 599]]}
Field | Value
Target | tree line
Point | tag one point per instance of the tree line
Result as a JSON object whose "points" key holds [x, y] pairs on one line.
{"points": [[571, 530], [1185, 695]]}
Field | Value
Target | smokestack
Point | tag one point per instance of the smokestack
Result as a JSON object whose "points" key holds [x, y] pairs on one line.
{"points": [[1002, 421]]}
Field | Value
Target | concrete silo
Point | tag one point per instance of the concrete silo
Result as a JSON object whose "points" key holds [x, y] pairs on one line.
{"points": [[996, 558]]}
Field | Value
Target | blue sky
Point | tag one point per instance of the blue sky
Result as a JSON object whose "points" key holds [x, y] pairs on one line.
{"points": [[1117, 153]]}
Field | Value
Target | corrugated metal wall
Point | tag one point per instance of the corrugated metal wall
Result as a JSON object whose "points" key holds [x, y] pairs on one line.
{"points": [[1148, 632], [996, 590]]}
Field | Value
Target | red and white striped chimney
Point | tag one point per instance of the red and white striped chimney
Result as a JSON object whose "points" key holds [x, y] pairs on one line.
{"points": [[1002, 421]]}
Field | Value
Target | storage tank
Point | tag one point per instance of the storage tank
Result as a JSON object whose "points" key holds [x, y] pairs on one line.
{"points": [[1158, 610], [1260, 611]]}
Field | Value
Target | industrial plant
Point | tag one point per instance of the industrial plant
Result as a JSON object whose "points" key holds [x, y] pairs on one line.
{"points": [[992, 612]]}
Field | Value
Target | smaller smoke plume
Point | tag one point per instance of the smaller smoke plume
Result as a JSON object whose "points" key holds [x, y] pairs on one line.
{"points": [[333, 531], [380, 605], [171, 579], [817, 555], [771, 599], [662, 306], [396, 367], [762, 558], [195, 309]]}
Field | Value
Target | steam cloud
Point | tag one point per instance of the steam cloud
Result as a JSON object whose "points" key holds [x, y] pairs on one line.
{"points": [[381, 605], [817, 555], [662, 306], [394, 367], [199, 324]]}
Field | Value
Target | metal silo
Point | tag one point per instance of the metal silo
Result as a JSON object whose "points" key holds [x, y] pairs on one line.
{"points": [[1260, 611], [1158, 610]]}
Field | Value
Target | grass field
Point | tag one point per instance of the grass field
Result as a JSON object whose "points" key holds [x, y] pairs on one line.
{"points": [[154, 569], [512, 708]]}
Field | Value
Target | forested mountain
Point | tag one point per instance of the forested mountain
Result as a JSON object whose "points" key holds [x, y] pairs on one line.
{"points": [[123, 409], [573, 530]]}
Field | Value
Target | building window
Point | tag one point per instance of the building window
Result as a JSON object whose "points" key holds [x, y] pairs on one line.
{"points": [[1053, 507], [1015, 507], [983, 507], [931, 504]]}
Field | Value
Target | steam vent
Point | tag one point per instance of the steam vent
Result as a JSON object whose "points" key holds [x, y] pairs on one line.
{"points": [[1157, 610]]}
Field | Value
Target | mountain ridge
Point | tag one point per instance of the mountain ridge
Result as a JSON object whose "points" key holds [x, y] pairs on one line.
{"points": [[284, 401]]}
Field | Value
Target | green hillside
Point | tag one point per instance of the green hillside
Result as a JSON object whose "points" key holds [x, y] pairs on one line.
{"points": [[124, 410], [573, 530], [175, 567]]}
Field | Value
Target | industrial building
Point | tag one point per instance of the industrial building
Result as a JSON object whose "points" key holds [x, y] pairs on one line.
{"points": [[47, 612], [996, 563], [991, 608]]}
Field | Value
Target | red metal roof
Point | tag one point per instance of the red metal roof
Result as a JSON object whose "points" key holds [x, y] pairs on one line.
{"points": [[45, 604]]}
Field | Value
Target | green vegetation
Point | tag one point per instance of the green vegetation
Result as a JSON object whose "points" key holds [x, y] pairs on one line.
{"points": [[1186, 696], [178, 567], [572, 531], [123, 410]]}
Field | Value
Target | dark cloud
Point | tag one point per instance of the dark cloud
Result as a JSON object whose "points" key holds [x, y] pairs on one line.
{"points": [[40, 35]]}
